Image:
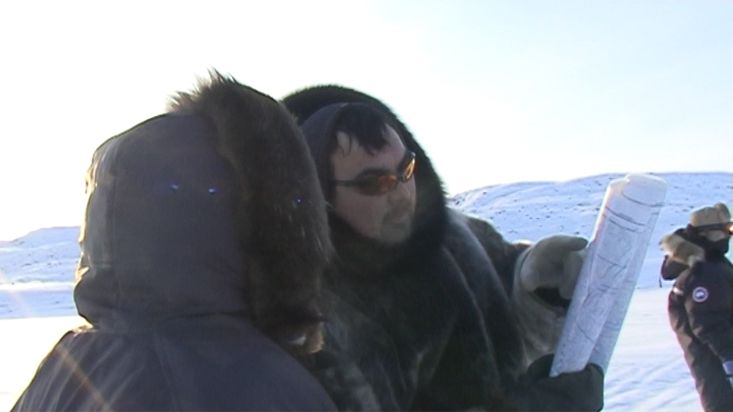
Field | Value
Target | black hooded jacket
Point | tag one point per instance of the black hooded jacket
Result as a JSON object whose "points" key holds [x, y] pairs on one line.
{"points": [[701, 312], [165, 278], [430, 324]]}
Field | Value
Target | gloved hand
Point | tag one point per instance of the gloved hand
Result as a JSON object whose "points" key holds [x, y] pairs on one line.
{"points": [[553, 263], [573, 391], [728, 368]]}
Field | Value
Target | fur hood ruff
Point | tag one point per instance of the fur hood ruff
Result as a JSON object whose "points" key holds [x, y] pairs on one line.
{"points": [[681, 250], [257, 240]]}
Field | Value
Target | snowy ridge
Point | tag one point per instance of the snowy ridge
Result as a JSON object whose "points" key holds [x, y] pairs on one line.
{"points": [[37, 273], [647, 370], [530, 211], [44, 255], [520, 211]]}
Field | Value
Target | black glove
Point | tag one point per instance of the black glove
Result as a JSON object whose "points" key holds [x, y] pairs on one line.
{"points": [[574, 391], [728, 368]]}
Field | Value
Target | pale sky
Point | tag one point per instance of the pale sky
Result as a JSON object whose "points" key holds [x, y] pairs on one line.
{"points": [[495, 91]]}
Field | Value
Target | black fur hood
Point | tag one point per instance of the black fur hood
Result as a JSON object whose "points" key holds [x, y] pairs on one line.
{"points": [[431, 211], [214, 207]]}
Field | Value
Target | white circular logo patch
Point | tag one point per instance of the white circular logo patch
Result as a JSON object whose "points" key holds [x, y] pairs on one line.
{"points": [[700, 294]]}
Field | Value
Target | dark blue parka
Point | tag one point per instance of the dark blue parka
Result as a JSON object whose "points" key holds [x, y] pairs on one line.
{"points": [[164, 276]]}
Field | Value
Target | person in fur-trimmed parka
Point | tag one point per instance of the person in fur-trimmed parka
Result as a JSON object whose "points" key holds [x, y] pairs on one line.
{"points": [[423, 308], [204, 238], [701, 301]]}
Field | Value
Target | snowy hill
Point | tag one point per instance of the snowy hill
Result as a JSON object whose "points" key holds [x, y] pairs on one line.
{"points": [[37, 273], [647, 371], [44, 255], [521, 211], [530, 211]]}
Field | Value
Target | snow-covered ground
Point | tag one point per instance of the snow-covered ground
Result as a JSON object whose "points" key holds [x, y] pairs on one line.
{"points": [[647, 371]]}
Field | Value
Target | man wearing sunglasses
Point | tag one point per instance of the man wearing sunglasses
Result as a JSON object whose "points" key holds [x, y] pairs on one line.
{"points": [[421, 301], [701, 301]]}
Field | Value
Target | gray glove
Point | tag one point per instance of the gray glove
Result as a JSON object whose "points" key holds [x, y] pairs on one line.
{"points": [[553, 263], [728, 368]]}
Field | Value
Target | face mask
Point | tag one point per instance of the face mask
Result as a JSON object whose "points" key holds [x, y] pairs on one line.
{"points": [[717, 246], [720, 246]]}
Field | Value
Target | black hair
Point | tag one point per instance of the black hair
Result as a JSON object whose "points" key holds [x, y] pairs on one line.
{"points": [[366, 125]]}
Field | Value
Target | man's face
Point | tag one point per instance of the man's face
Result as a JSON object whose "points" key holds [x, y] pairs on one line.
{"points": [[717, 235], [383, 217]]}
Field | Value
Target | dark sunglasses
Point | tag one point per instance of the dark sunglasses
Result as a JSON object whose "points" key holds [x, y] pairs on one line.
{"points": [[725, 227], [379, 183]]}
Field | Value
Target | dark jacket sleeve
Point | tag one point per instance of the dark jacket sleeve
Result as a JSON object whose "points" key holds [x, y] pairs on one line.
{"points": [[503, 254], [709, 304], [671, 268], [538, 320]]}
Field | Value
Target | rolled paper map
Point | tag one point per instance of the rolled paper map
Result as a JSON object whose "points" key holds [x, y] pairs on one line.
{"points": [[606, 342], [609, 273]]}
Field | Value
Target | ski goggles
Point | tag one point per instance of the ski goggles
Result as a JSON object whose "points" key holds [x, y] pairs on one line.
{"points": [[379, 183], [725, 227]]}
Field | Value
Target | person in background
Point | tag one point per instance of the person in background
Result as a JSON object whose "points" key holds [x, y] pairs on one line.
{"points": [[700, 304], [204, 237], [427, 308]]}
